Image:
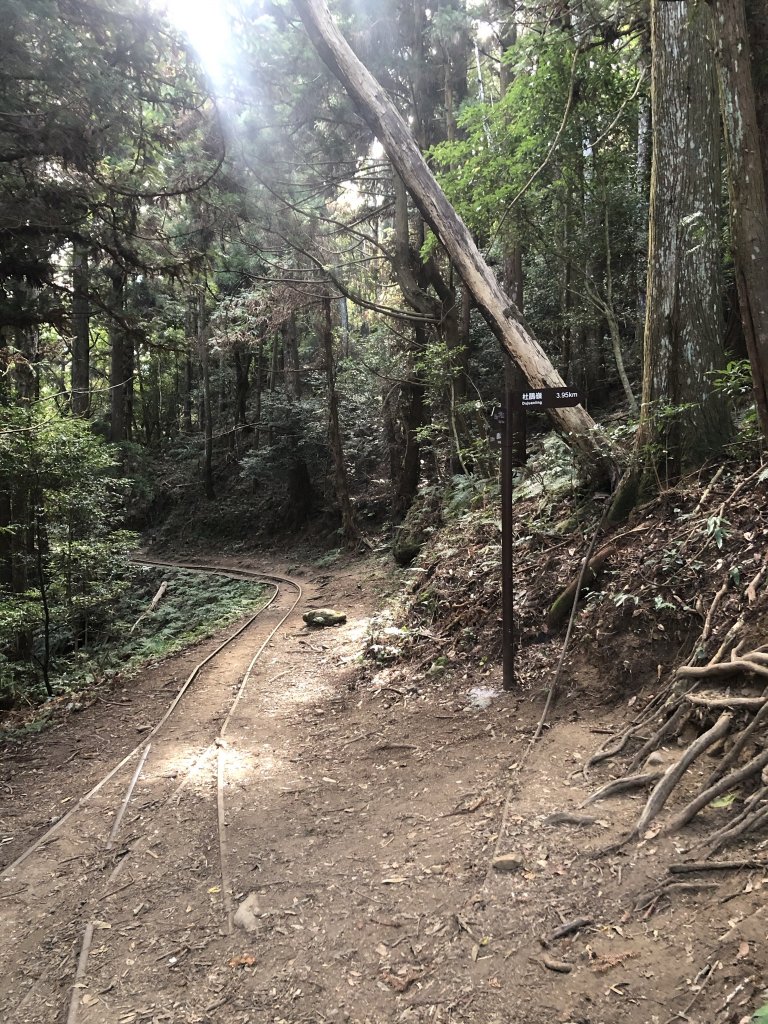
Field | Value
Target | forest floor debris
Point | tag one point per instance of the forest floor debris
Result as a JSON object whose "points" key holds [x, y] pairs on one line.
{"points": [[364, 820]]}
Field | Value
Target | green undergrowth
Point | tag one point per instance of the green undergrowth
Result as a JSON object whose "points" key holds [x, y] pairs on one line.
{"points": [[195, 605]]}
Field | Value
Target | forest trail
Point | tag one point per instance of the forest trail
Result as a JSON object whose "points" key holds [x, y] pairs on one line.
{"points": [[361, 822]]}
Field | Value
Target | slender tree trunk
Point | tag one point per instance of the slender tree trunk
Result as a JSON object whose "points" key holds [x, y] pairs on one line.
{"points": [[258, 384], [81, 334], [202, 339], [344, 320], [341, 482], [683, 330], [242, 361], [121, 364], [41, 547], [291, 354], [576, 426], [749, 209]]}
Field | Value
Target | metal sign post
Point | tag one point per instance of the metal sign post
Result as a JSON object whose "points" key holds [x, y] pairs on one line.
{"points": [[540, 398]]}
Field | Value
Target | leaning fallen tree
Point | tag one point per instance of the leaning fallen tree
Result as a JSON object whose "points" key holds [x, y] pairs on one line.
{"points": [[575, 425]]}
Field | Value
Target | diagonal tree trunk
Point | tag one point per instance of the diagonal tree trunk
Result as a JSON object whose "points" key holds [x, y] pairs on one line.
{"points": [[576, 426]]}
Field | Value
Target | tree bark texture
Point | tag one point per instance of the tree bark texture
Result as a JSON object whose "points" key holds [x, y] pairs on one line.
{"points": [[81, 335], [205, 376], [683, 326], [757, 27], [121, 364], [341, 483], [746, 185], [576, 426]]}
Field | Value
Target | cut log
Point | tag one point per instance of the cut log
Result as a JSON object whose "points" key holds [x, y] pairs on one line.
{"points": [[575, 425]]}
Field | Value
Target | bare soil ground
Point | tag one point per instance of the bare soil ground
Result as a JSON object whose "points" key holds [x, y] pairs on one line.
{"points": [[361, 820]]}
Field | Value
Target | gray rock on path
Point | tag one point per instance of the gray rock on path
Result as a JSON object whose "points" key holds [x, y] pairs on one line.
{"points": [[322, 617], [247, 914], [508, 862]]}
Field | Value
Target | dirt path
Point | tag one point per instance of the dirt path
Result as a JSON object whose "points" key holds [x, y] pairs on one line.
{"points": [[360, 825]]}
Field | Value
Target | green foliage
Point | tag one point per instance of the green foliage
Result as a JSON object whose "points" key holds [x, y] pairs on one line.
{"points": [[63, 562], [717, 529]]}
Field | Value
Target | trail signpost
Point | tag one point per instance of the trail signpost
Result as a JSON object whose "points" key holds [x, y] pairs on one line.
{"points": [[535, 398]]}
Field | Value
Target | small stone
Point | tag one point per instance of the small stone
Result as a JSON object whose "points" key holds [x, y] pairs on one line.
{"points": [[322, 617], [654, 758], [247, 915], [508, 862]]}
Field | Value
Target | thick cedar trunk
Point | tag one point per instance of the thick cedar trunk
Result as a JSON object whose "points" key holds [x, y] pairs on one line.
{"points": [[683, 328], [757, 27], [749, 211], [576, 425], [341, 483], [81, 341]]}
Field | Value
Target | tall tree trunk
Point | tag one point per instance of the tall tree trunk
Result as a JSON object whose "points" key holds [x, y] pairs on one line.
{"points": [[747, 188], [242, 361], [757, 27], [81, 334], [683, 327], [258, 385], [121, 362], [291, 356], [576, 426], [341, 482], [205, 374]]}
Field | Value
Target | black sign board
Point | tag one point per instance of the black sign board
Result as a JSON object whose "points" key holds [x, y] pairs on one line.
{"points": [[546, 398]]}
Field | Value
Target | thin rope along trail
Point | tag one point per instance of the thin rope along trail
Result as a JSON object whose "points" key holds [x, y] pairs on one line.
{"points": [[142, 749]]}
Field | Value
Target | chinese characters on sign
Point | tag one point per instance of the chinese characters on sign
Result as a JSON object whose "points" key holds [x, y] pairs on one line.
{"points": [[546, 398]]}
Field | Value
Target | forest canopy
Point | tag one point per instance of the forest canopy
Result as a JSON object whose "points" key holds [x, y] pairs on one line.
{"points": [[225, 285]]}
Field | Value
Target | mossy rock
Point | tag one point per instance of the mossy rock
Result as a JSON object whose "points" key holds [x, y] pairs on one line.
{"points": [[407, 547], [322, 617], [412, 534]]}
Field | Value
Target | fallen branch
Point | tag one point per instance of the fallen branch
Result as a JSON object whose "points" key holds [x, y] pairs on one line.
{"points": [[155, 602]]}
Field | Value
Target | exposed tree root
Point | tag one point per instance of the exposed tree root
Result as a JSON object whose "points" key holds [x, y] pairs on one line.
{"points": [[709, 794], [674, 773], [671, 727], [745, 736], [622, 785], [755, 817]]}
